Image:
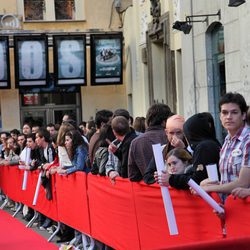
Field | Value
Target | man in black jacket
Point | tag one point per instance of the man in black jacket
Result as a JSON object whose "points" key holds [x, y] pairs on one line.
{"points": [[125, 135]]}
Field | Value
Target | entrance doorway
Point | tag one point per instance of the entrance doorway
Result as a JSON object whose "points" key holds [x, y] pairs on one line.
{"points": [[47, 108]]}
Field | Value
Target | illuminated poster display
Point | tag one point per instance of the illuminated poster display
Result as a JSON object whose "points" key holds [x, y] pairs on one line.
{"points": [[31, 60], [106, 59], [4, 63], [70, 59]]}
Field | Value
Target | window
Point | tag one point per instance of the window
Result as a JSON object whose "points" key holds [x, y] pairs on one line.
{"points": [[33, 9], [53, 10], [65, 9]]}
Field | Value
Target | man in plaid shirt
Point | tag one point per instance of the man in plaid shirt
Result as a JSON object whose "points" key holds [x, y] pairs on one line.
{"points": [[235, 153]]}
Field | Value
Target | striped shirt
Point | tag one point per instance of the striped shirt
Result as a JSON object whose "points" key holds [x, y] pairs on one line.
{"points": [[234, 155]]}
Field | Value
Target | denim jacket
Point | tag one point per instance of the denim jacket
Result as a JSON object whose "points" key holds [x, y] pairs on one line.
{"points": [[78, 162]]}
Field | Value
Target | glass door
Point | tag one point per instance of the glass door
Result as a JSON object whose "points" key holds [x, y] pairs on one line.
{"points": [[38, 116], [49, 108]]}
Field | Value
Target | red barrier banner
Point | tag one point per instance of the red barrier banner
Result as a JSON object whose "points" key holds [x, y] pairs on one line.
{"points": [[72, 201], [195, 218], [28, 193], [3, 179], [237, 216], [45, 206], [112, 212], [13, 177]]}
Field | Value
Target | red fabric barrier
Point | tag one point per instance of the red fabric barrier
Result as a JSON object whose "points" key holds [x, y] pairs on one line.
{"points": [[45, 206], [3, 178], [237, 216], [13, 177], [72, 201], [195, 218], [112, 212], [28, 194]]}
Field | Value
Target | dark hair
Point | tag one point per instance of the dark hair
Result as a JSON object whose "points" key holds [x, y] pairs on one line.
{"points": [[77, 140], [157, 113], [121, 112], [139, 124], [15, 131], [102, 116], [50, 125], [106, 132], [248, 116], [83, 123], [42, 132], [181, 154], [234, 98], [32, 136], [6, 133], [120, 125]]}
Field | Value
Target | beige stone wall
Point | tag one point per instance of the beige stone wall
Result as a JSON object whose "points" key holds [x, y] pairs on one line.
{"points": [[97, 16]]}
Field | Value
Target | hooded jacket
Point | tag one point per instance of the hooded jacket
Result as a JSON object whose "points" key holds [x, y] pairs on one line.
{"points": [[200, 133]]}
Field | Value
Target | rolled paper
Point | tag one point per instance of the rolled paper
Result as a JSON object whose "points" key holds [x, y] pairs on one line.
{"points": [[169, 210], [25, 175], [27, 156], [204, 195], [38, 185], [25, 178]]}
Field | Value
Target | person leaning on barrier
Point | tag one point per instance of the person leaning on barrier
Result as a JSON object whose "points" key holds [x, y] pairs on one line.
{"points": [[199, 131], [125, 135], [235, 152], [77, 150], [141, 151], [176, 139]]}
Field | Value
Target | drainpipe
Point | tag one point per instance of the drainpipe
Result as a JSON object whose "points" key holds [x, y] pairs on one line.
{"points": [[194, 66]]}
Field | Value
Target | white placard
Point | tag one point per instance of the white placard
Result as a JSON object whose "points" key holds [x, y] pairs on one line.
{"points": [[212, 172], [38, 185], [205, 196], [157, 149]]}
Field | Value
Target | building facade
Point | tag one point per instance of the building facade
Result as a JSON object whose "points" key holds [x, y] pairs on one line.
{"points": [[63, 17], [189, 72]]}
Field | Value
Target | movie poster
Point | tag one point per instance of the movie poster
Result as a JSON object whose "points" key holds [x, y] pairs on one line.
{"points": [[31, 60], [70, 60], [4, 63], [106, 58]]}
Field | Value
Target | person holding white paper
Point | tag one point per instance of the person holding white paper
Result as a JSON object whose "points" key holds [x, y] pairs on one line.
{"points": [[199, 131], [234, 155]]}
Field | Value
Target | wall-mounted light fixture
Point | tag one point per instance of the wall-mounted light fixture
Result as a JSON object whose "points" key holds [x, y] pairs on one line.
{"points": [[235, 3], [186, 26]]}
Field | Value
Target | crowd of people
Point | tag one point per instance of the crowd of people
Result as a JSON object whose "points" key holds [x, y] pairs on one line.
{"points": [[116, 145]]}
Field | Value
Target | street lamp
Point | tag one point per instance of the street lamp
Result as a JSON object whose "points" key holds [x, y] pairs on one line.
{"points": [[186, 26]]}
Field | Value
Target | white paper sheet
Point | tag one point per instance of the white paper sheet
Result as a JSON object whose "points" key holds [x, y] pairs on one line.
{"points": [[38, 185], [212, 172], [205, 196], [164, 191]]}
